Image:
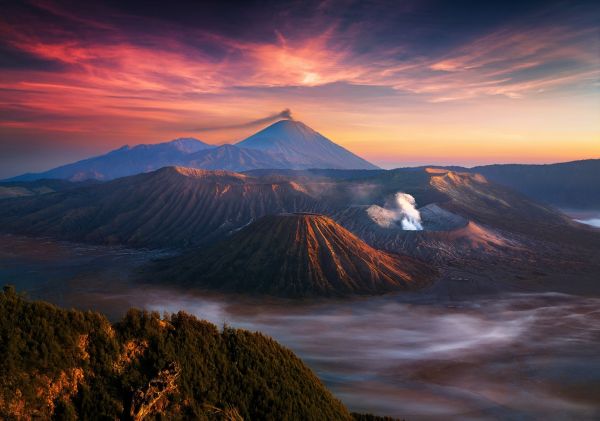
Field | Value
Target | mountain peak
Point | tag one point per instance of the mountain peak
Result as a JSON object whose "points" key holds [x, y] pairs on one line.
{"points": [[188, 144], [303, 147], [287, 125], [288, 122]]}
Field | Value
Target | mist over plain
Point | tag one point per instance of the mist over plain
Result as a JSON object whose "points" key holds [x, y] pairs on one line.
{"points": [[509, 356]]}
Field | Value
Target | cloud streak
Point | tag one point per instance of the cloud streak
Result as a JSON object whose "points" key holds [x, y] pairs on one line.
{"points": [[493, 64]]}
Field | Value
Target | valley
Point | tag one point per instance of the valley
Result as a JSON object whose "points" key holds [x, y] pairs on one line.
{"points": [[423, 355]]}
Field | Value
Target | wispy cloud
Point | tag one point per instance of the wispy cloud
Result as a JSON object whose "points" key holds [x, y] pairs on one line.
{"points": [[110, 72], [489, 65]]}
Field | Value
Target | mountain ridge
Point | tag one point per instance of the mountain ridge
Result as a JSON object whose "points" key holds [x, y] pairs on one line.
{"points": [[573, 185], [169, 207], [285, 149], [124, 161]]}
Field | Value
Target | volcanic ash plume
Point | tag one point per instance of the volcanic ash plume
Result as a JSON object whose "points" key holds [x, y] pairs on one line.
{"points": [[400, 212], [282, 115]]}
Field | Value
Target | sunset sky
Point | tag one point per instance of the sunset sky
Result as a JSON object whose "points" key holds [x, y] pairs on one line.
{"points": [[400, 83]]}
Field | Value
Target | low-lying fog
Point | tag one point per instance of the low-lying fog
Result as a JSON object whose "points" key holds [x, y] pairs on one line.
{"points": [[585, 217], [513, 356]]}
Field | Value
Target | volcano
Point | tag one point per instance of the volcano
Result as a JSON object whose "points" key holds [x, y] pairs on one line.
{"points": [[303, 147], [286, 144], [296, 255]]}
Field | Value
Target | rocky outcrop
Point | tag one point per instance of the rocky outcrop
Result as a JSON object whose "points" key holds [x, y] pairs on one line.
{"points": [[153, 398], [63, 387], [132, 350], [48, 391]]}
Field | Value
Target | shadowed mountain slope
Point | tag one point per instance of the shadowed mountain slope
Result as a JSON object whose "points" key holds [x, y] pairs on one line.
{"points": [[567, 185], [233, 158], [296, 255], [124, 161]]}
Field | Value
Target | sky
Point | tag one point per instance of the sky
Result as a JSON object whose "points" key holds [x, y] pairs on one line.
{"points": [[400, 83]]}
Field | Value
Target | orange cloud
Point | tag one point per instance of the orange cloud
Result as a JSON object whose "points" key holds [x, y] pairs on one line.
{"points": [[116, 88]]}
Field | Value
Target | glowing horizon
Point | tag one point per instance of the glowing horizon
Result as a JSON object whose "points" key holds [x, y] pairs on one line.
{"points": [[514, 84]]}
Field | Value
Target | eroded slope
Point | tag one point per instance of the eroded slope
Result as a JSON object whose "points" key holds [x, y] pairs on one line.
{"points": [[296, 255], [171, 207]]}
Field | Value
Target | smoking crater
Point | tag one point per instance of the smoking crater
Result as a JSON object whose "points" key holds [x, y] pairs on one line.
{"points": [[401, 212]]}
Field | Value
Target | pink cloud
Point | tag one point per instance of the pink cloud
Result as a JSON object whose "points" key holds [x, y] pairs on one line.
{"points": [[103, 78]]}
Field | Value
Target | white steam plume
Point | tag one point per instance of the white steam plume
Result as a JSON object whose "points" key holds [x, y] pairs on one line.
{"points": [[400, 212], [411, 218]]}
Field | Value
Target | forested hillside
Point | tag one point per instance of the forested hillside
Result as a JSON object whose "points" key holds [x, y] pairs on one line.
{"points": [[68, 364]]}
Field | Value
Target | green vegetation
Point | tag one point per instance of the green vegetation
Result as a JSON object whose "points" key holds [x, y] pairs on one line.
{"points": [[67, 364]]}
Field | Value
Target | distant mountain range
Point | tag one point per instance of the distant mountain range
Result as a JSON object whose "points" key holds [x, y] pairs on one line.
{"points": [[124, 161], [568, 185], [12, 189], [286, 144], [290, 147]]}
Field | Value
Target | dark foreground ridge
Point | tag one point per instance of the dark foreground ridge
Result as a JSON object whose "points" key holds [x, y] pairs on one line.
{"points": [[68, 364], [296, 255]]}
